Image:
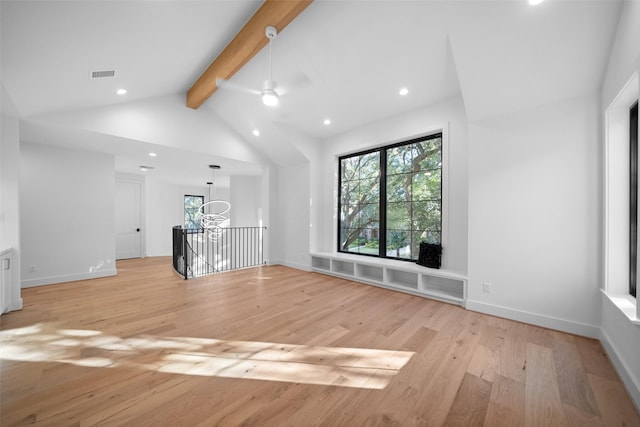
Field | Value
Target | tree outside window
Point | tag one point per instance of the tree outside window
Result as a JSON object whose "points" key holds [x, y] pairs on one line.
{"points": [[360, 203], [191, 209], [391, 199]]}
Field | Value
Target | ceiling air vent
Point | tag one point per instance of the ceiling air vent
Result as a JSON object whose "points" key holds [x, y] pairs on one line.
{"points": [[102, 74]]}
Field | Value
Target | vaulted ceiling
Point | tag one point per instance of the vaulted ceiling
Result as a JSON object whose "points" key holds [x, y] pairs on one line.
{"points": [[343, 60]]}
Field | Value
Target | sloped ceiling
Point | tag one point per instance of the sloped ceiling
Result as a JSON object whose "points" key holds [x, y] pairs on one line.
{"points": [[341, 60], [526, 57]]}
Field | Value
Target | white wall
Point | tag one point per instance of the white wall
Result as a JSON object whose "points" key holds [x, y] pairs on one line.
{"points": [[534, 216], [290, 238], [625, 52], [311, 148], [448, 114], [67, 218], [620, 337], [245, 201], [9, 195]]}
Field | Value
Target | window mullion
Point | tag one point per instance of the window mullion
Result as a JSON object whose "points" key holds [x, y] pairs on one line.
{"points": [[633, 199], [382, 227]]}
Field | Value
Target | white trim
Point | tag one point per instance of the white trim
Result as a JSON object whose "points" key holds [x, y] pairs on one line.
{"points": [[68, 278], [615, 239], [631, 383], [626, 304], [563, 325], [445, 213], [15, 304], [291, 265]]}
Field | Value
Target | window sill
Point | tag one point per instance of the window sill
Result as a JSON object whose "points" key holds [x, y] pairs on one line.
{"points": [[626, 304]]}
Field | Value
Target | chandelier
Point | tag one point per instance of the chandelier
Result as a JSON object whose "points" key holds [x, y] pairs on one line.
{"points": [[212, 213]]}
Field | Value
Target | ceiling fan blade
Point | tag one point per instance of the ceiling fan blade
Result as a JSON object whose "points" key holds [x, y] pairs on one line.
{"points": [[229, 85], [300, 82]]}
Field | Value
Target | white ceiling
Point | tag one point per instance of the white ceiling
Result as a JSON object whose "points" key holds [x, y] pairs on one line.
{"points": [[344, 60]]}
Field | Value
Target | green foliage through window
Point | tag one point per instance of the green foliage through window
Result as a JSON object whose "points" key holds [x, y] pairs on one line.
{"points": [[191, 211], [392, 222]]}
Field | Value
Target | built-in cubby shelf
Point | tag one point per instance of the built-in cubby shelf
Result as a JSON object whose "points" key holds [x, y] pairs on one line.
{"points": [[321, 264], [370, 272], [406, 279], [399, 275], [342, 267]]}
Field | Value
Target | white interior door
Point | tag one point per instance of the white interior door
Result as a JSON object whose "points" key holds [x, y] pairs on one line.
{"points": [[127, 220]]}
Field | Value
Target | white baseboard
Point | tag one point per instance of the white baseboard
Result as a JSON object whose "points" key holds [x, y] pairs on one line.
{"points": [[563, 325], [291, 265], [15, 305], [631, 383], [67, 278]]}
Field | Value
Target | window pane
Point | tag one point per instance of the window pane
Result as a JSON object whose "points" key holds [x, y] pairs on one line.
{"points": [[431, 151], [398, 216], [399, 188], [426, 216], [426, 185], [369, 215], [355, 242], [191, 211], [368, 190], [366, 243], [400, 159], [359, 203], [398, 243], [369, 166], [349, 191], [417, 237], [349, 168]]}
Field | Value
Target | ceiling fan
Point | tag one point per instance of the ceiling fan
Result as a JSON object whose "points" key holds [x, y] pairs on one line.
{"points": [[269, 95]]}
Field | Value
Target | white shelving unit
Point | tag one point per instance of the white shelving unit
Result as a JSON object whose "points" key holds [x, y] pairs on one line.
{"points": [[398, 275]]}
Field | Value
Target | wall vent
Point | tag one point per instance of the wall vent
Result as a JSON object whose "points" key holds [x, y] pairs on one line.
{"points": [[102, 74]]}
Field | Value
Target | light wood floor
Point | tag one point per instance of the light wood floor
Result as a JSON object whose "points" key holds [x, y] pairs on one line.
{"points": [[276, 346]]}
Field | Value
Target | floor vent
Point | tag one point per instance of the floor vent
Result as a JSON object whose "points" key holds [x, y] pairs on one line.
{"points": [[102, 74]]}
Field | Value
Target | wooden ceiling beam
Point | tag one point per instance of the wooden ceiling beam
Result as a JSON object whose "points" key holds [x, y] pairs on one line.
{"points": [[244, 46]]}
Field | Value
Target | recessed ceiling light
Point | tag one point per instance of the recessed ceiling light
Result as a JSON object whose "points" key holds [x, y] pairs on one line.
{"points": [[121, 91], [535, 2], [404, 91], [327, 122], [256, 132], [152, 154]]}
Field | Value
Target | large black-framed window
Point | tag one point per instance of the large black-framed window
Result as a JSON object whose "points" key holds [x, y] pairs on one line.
{"points": [[390, 199], [633, 198]]}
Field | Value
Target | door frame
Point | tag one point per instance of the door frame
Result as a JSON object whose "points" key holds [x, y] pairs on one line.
{"points": [[137, 179]]}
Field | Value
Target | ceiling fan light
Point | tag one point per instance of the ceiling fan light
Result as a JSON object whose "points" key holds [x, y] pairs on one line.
{"points": [[270, 97]]}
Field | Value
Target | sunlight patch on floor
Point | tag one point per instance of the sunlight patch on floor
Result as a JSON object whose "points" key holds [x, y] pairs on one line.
{"points": [[322, 365]]}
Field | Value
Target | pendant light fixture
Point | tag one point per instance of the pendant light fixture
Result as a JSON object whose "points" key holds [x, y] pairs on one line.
{"points": [[212, 213]]}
